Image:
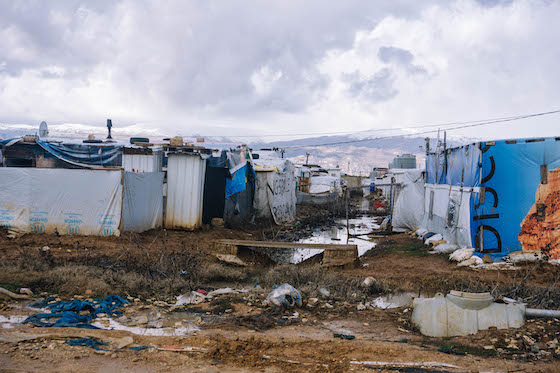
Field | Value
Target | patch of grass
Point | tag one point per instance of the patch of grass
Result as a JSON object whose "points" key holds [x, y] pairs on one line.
{"points": [[215, 272], [410, 247], [309, 279]]}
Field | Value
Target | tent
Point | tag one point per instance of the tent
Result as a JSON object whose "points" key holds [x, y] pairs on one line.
{"points": [[497, 196], [275, 193], [81, 202], [404, 189], [229, 187]]}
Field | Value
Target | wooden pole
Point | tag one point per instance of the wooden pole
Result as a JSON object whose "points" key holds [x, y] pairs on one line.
{"points": [[347, 220]]}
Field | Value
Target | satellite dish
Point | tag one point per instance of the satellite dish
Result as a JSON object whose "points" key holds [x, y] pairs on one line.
{"points": [[43, 129]]}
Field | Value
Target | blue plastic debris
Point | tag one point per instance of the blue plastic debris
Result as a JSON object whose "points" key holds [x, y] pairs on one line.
{"points": [[87, 342], [139, 348], [68, 314]]}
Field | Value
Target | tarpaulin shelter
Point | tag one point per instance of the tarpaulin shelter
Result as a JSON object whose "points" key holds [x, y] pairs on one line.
{"points": [[497, 196], [404, 190], [81, 202], [186, 172], [229, 187], [275, 195], [59, 154]]}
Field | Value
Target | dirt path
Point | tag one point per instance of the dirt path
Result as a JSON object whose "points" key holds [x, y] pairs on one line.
{"points": [[240, 334]]}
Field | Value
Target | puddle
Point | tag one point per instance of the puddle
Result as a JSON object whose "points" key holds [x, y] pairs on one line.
{"points": [[11, 321], [337, 234], [152, 332]]}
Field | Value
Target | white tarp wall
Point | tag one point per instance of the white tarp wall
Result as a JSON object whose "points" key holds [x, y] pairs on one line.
{"points": [[408, 210], [325, 184], [448, 212], [275, 193], [143, 201], [406, 190], [85, 202]]}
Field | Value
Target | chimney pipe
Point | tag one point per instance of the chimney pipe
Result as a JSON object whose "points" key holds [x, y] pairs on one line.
{"points": [[109, 125]]}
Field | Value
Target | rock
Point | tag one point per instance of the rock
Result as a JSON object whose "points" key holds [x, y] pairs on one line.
{"points": [[324, 292], [89, 292], [328, 305], [46, 248], [141, 320], [26, 291], [552, 344], [537, 347], [489, 347], [368, 281], [124, 341], [312, 301]]}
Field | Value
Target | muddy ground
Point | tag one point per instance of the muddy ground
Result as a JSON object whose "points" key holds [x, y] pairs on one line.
{"points": [[237, 332]]}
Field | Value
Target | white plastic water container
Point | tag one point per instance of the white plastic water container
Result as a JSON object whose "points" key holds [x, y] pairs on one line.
{"points": [[461, 313]]}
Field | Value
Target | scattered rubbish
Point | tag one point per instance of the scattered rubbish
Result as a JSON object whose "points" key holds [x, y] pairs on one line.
{"points": [[390, 301], [344, 336], [75, 313], [428, 235], [217, 222], [182, 349], [284, 296], [11, 321], [88, 342], [224, 291], [368, 281], [45, 248], [386, 364], [26, 291], [461, 254], [139, 348], [187, 299], [14, 295], [524, 257], [324, 292], [148, 331], [472, 261], [203, 292], [444, 248], [434, 238]]}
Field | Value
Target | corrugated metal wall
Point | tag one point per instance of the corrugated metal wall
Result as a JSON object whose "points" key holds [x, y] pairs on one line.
{"points": [[143, 162], [185, 191]]}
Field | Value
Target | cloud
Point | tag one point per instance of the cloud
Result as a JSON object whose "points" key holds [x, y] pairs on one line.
{"points": [[215, 67], [400, 57], [379, 87]]}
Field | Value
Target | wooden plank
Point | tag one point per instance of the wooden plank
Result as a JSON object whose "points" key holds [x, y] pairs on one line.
{"points": [[287, 245]]}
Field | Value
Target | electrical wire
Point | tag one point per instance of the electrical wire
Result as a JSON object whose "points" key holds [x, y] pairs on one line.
{"points": [[509, 118], [482, 123]]}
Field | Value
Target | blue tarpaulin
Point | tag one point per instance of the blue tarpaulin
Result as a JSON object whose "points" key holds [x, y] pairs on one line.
{"points": [[237, 183], [509, 173], [85, 155], [69, 313]]}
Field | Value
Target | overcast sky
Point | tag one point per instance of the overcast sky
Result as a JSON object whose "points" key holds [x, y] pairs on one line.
{"points": [[260, 67]]}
